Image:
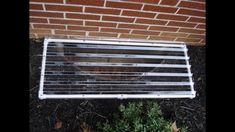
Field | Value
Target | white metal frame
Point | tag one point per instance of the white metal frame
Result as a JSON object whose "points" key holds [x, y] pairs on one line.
{"points": [[160, 94]]}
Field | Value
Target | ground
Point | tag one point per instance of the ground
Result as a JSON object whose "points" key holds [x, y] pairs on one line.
{"points": [[46, 115]]}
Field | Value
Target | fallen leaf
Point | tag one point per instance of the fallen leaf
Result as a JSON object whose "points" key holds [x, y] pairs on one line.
{"points": [[85, 127], [199, 79], [174, 127], [58, 124]]}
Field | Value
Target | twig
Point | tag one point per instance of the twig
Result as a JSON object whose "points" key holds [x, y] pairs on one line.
{"points": [[187, 108], [33, 88], [91, 113], [56, 108], [48, 118]]}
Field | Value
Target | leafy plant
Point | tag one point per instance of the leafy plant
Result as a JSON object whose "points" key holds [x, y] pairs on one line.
{"points": [[136, 117]]}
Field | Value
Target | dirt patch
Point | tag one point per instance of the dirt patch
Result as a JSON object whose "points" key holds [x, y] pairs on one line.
{"points": [[70, 115]]}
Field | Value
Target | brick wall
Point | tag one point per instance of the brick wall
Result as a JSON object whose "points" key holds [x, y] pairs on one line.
{"points": [[174, 20]]}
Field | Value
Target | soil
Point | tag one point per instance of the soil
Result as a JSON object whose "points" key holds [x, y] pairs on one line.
{"points": [[59, 115]]}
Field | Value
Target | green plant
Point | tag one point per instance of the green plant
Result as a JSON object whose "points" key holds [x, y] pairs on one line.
{"points": [[137, 117]]}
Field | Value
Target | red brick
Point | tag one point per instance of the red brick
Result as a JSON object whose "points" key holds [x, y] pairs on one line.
{"points": [[86, 2], [118, 19], [198, 20], [181, 24], [185, 30], [46, 14], [145, 32], [63, 8], [161, 28], [100, 24], [114, 30], [69, 32], [40, 31], [83, 16], [133, 36], [148, 21], [102, 11], [189, 39], [201, 26], [199, 0], [49, 26], [160, 9], [63, 21], [53, 36], [123, 5], [196, 36], [190, 4], [48, 1], [132, 26], [146, 1], [138, 14], [44, 35], [191, 12], [38, 20], [103, 34], [35, 7], [169, 2], [83, 28], [172, 34], [172, 17], [161, 38]]}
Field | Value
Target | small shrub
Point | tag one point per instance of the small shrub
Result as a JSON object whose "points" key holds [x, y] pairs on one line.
{"points": [[137, 118]]}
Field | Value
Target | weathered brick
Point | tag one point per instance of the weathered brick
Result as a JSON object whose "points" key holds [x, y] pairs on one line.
{"points": [[198, 20], [161, 28], [185, 30], [38, 20], [48, 1], [161, 38], [100, 24], [118, 19], [172, 17], [35, 7], [49, 26], [133, 36], [138, 14], [103, 34], [145, 1], [196, 40], [191, 12], [190, 4], [83, 28], [63, 8], [169, 2], [102, 11], [160, 9], [148, 21], [63, 21], [115, 30], [132, 26], [181, 24], [123, 5], [46, 14], [145, 32], [83, 16], [86, 2], [69, 32], [40, 31], [173, 34]]}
